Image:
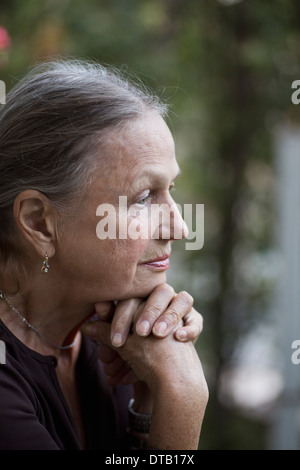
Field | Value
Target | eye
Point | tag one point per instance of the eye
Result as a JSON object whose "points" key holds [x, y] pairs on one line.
{"points": [[143, 201]]}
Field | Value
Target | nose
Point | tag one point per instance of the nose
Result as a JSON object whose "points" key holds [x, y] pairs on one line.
{"points": [[178, 227], [168, 221]]}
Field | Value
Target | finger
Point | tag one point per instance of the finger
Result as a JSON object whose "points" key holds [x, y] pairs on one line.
{"points": [[105, 310], [114, 366], [98, 331], [178, 308], [106, 354], [192, 327], [156, 304], [122, 321]]}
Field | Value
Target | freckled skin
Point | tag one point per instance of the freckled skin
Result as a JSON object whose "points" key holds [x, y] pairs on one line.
{"points": [[114, 268], [85, 270], [137, 161]]}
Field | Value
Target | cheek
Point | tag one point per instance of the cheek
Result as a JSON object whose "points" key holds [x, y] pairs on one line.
{"points": [[125, 254], [118, 266], [108, 267], [119, 258]]}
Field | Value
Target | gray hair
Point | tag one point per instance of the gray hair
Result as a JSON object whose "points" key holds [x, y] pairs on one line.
{"points": [[48, 128]]}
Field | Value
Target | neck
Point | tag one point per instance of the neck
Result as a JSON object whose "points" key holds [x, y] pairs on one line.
{"points": [[45, 323]]}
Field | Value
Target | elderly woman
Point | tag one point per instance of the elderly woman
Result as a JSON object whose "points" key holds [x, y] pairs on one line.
{"points": [[99, 348]]}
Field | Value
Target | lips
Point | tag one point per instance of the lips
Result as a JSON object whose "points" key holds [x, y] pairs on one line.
{"points": [[161, 262]]}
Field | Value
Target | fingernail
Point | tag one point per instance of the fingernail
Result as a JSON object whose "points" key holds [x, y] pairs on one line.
{"points": [[160, 328], [117, 340], [143, 328], [181, 334]]}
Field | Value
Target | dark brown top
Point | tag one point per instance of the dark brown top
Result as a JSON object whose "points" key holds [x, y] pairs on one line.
{"points": [[34, 414]]}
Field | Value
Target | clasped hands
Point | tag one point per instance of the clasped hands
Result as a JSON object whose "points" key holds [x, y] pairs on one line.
{"points": [[162, 314]]}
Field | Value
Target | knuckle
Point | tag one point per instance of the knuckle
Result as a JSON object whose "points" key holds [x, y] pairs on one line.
{"points": [[199, 319], [164, 287], [172, 315], [193, 314], [152, 312], [186, 297], [120, 322], [194, 319]]}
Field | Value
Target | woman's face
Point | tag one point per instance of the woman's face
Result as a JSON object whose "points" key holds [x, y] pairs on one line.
{"points": [[107, 250]]}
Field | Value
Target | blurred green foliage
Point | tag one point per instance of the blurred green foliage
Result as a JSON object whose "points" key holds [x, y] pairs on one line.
{"points": [[226, 69]]}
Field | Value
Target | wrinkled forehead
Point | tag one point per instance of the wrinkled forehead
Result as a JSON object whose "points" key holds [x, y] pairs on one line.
{"points": [[141, 150]]}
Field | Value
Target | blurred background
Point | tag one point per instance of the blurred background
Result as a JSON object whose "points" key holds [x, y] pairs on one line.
{"points": [[226, 68]]}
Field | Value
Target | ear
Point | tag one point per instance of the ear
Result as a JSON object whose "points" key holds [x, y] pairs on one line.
{"points": [[35, 219]]}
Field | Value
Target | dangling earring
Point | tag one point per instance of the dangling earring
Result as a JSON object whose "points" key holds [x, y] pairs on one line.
{"points": [[46, 266]]}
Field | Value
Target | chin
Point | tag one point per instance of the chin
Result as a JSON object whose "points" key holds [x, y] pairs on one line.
{"points": [[144, 287], [141, 286]]}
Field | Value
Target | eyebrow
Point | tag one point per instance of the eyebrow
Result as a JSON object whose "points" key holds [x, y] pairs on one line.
{"points": [[157, 175]]}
